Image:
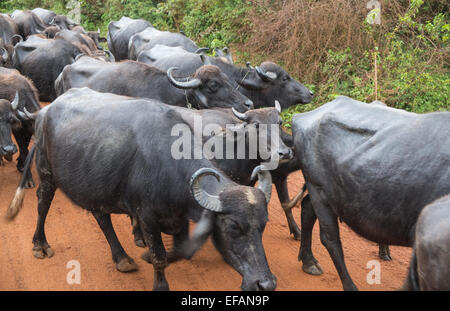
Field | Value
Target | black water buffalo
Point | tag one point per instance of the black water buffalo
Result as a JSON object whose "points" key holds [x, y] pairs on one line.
{"points": [[140, 177], [374, 168], [120, 32], [238, 163], [63, 22], [82, 40], [12, 83], [8, 30], [94, 35], [8, 120], [45, 15], [42, 60], [9, 35], [150, 37], [429, 268], [209, 87], [28, 23], [263, 84]]}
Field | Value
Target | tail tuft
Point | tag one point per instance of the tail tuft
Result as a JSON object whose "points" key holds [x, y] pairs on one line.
{"points": [[16, 204]]}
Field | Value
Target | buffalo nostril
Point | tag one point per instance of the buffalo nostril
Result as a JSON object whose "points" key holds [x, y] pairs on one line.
{"points": [[7, 150], [285, 154], [249, 104], [266, 285]]}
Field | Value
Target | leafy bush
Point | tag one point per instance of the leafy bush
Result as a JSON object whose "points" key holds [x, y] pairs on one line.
{"points": [[327, 45]]}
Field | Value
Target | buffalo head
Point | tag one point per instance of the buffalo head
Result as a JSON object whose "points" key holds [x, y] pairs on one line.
{"points": [[8, 120], [236, 217], [209, 87], [274, 83]]}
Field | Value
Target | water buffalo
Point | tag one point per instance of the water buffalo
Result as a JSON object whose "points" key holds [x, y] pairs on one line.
{"points": [[120, 32], [46, 16], [42, 60], [92, 47], [94, 35], [263, 84], [12, 83], [374, 168], [63, 22], [150, 37], [239, 165], [8, 119], [429, 269], [28, 23], [140, 177], [207, 88], [8, 30]]}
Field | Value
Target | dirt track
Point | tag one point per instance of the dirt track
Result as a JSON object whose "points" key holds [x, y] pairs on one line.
{"points": [[74, 235]]}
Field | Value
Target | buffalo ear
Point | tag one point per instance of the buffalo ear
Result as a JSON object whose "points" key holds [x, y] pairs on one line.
{"points": [[252, 81], [201, 232]]}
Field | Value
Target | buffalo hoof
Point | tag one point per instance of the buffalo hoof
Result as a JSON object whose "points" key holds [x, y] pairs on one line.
{"points": [[161, 287], [313, 268], [139, 243], [385, 257], [41, 251], [146, 256], [126, 265], [384, 252], [297, 234]]}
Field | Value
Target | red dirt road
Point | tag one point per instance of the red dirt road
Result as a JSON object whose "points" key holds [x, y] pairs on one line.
{"points": [[74, 235]]}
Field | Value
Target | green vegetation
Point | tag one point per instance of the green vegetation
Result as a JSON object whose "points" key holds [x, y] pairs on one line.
{"points": [[411, 45]]}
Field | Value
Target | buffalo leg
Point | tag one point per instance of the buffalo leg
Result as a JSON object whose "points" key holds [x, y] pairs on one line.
{"points": [[158, 258], [138, 238], [177, 252], [45, 194], [123, 262], [283, 195], [23, 140], [384, 252], [308, 218], [329, 236]]}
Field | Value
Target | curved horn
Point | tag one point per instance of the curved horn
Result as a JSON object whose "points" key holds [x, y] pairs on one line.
{"points": [[29, 115], [264, 181], [4, 54], [248, 65], [195, 83], [52, 22], [266, 76], [98, 30], [15, 102], [278, 106], [206, 200], [183, 33], [79, 56], [201, 50], [205, 59], [241, 116], [18, 36], [112, 59]]}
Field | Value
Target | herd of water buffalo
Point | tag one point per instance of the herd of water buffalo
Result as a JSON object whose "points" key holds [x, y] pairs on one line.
{"points": [[106, 141]]}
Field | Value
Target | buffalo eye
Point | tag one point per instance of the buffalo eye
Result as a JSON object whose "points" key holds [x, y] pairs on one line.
{"points": [[213, 85]]}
